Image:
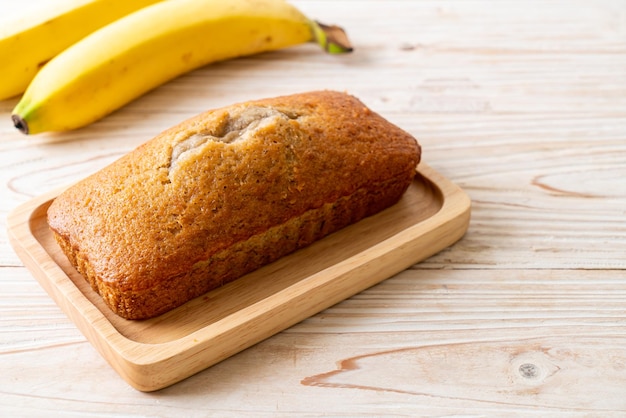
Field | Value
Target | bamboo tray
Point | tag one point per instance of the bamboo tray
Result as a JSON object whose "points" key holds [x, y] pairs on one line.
{"points": [[155, 353]]}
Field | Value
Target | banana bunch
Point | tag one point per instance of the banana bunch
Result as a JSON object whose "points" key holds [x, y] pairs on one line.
{"points": [[136, 53], [26, 44]]}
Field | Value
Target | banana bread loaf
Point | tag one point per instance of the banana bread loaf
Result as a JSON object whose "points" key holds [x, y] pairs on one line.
{"points": [[227, 192]]}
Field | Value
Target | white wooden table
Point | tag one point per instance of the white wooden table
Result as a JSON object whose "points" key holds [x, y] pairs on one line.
{"points": [[521, 103]]}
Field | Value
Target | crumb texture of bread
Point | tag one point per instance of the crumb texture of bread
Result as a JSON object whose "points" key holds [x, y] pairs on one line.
{"points": [[227, 192]]}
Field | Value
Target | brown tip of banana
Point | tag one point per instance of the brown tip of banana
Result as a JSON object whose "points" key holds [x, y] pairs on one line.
{"points": [[337, 41], [20, 124]]}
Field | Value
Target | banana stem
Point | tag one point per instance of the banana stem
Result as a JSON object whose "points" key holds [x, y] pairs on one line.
{"points": [[331, 38], [20, 124]]}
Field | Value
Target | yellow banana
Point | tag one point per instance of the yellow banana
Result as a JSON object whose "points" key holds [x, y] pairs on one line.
{"points": [[27, 43], [138, 52]]}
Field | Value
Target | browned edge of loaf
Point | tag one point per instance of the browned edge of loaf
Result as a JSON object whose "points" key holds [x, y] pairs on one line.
{"points": [[244, 257]]}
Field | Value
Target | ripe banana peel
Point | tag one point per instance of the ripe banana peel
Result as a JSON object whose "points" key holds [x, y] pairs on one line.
{"points": [[26, 44], [145, 49]]}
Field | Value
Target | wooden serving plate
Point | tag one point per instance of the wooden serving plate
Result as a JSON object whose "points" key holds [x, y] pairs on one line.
{"points": [[155, 353]]}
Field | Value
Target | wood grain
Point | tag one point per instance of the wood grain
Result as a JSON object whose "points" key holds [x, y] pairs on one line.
{"points": [[522, 104]]}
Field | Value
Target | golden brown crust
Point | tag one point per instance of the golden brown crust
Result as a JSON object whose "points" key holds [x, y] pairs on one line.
{"points": [[227, 192]]}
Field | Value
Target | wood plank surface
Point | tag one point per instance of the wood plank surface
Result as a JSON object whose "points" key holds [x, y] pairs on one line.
{"points": [[520, 103]]}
